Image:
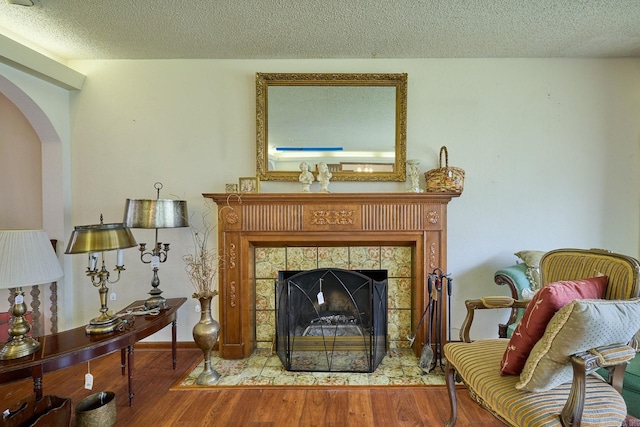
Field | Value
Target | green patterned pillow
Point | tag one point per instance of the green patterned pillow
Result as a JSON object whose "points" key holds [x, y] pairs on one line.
{"points": [[579, 326]]}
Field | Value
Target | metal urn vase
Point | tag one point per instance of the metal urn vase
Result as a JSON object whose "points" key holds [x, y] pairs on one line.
{"points": [[205, 335], [97, 410]]}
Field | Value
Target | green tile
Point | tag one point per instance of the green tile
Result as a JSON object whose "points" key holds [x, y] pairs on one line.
{"points": [[336, 257], [268, 261], [303, 258], [397, 260], [364, 257]]}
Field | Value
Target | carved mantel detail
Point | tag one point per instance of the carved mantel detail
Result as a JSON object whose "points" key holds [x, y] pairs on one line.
{"points": [[232, 294], [332, 217], [433, 217], [232, 256], [433, 255], [232, 218], [417, 220]]}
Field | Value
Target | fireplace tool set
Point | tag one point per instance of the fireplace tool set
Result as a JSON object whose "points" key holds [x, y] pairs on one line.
{"points": [[429, 359]]}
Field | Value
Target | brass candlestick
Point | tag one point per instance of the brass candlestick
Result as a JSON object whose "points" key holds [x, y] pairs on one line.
{"points": [[26, 258], [155, 257], [155, 213], [105, 322], [93, 239]]}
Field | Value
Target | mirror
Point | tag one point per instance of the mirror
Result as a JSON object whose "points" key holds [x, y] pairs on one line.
{"points": [[355, 123]]}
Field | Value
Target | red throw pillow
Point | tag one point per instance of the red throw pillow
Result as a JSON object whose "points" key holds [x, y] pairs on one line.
{"points": [[539, 311]]}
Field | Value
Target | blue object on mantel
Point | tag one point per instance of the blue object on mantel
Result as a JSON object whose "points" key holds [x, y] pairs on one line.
{"points": [[308, 148]]}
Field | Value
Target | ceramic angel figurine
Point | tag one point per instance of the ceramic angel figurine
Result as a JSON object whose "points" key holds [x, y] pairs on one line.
{"points": [[324, 175], [306, 177]]}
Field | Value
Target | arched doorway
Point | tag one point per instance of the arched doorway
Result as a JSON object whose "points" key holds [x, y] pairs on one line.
{"points": [[20, 170], [32, 181]]}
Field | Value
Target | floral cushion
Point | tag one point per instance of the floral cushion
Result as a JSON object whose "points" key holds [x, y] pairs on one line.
{"points": [[532, 261], [579, 326], [539, 311]]}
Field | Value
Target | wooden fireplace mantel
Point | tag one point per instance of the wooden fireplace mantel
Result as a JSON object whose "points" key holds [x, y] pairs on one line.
{"points": [[246, 220]]}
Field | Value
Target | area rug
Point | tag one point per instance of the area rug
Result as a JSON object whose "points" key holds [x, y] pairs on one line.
{"points": [[399, 368]]}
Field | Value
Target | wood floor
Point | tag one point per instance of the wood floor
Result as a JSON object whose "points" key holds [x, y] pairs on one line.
{"points": [[154, 405]]}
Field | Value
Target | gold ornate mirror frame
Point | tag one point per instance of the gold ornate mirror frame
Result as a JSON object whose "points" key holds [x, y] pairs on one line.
{"points": [[393, 170]]}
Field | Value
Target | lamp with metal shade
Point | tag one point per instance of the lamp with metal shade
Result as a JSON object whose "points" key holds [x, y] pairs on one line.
{"points": [[96, 239], [26, 259], [155, 213]]}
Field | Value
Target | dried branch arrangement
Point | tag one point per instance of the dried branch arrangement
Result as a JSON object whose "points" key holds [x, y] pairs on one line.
{"points": [[202, 265]]}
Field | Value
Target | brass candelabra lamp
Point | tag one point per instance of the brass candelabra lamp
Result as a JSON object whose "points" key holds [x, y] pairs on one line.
{"points": [[94, 240], [155, 213], [26, 258]]}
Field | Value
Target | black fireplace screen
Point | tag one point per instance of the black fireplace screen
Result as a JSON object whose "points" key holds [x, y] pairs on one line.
{"points": [[331, 320]]}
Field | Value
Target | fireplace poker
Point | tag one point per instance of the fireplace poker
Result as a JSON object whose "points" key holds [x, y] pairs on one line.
{"points": [[439, 295], [426, 347], [426, 358], [438, 310], [426, 355]]}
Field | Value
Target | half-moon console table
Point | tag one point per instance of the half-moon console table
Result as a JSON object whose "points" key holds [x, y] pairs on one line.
{"points": [[247, 220], [74, 346]]}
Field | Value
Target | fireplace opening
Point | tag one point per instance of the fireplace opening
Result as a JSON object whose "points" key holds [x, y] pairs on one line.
{"points": [[331, 319]]}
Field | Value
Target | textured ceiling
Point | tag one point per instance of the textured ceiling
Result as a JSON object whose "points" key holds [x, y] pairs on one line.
{"points": [[295, 29]]}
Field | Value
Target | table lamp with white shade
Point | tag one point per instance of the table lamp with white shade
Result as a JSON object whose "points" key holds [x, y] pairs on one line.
{"points": [[27, 258]]}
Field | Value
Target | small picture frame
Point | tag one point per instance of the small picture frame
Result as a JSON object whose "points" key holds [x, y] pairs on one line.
{"points": [[231, 188], [249, 184]]}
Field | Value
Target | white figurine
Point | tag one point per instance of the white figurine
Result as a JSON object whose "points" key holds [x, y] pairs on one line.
{"points": [[414, 176], [324, 175], [306, 177]]}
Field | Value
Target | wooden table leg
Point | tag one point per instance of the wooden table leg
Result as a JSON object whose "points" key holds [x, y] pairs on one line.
{"points": [[173, 344], [123, 359], [130, 361]]}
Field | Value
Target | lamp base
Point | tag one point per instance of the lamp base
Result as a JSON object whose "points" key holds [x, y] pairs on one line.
{"points": [[20, 347], [102, 325], [155, 301]]}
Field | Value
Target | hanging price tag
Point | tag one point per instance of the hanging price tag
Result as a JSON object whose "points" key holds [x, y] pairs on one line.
{"points": [[155, 261], [320, 294], [88, 381]]}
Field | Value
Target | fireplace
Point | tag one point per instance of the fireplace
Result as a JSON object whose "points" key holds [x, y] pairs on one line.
{"points": [[331, 319], [246, 221]]}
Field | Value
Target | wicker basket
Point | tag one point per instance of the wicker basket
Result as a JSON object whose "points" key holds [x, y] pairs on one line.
{"points": [[445, 179]]}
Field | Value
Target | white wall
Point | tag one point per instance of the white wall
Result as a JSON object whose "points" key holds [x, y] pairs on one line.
{"points": [[550, 148]]}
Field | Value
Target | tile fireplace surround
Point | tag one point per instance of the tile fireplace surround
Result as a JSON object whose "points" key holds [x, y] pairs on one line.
{"points": [[396, 260], [249, 224]]}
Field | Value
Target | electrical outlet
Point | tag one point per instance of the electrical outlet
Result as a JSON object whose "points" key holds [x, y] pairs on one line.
{"points": [[197, 306], [112, 296]]}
